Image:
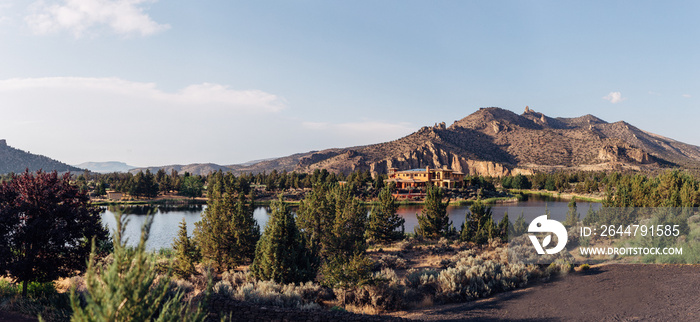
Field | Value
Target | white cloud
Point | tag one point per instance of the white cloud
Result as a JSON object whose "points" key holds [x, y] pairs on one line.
{"points": [[76, 119], [199, 96], [614, 97], [124, 17], [687, 95]]}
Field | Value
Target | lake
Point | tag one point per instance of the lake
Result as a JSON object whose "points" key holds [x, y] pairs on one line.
{"points": [[166, 219]]}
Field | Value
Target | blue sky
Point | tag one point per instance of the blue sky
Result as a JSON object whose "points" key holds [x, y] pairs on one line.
{"points": [[164, 82]]}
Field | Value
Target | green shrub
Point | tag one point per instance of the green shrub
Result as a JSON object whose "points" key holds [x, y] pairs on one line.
{"points": [[392, 261], [474, 278], [129, 288], [42, 300], [302, 296], [585, 267]]}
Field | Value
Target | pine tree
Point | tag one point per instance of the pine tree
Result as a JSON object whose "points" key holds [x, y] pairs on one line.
{"points": [[434, 221], [227, 233], [347, 272], [478, 224], [347, 236], [383, 219], [333, 220], [316, 214], [505, 228], [572, 216], [128, 289], [520, 226], [282, 254], [186, 252]]}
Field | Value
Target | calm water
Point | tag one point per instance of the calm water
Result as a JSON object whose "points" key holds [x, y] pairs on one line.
{"points": [[166, 220]]}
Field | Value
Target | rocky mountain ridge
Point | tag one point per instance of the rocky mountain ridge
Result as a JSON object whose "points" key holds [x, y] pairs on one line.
{"points": [[497, 142]]}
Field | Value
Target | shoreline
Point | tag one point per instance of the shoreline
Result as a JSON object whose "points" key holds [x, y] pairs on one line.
{"points": [[558, 195], [460, 202], [203, 201]]}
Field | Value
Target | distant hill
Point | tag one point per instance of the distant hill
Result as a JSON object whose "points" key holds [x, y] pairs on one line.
{"points": [[194, 169], [106, 167], [496, 142], [15, 160]]}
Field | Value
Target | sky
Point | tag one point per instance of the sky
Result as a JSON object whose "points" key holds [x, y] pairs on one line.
{"points": [[152, 83]]}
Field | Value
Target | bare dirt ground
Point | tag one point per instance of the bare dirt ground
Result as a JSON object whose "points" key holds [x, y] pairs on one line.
{"points": [[617, 292], [608, 292]]}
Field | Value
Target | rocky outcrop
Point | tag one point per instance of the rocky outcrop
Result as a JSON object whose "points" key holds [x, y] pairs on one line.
{"points": [[317, 157], [497, 142], [625, 154]]}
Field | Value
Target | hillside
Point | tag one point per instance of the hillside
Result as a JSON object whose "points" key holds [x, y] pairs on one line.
{"points": [[105, 167], [15, 160], [194, 169], [494, 141]]}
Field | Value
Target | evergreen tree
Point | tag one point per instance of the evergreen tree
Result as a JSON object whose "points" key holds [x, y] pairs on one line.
{"points": [[128, 289], [347, 235], [478, 224], [186, 252], [572, 216], [520, 226], [383, 219], [227, 233], [505, 228], [591, 216], [333, 220], [347, 272], [434, 221], [101, 188], [521, 182], [282, 254], [191, 186], [316, 215]]}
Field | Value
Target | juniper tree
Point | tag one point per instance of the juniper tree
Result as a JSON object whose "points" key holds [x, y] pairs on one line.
{"points": [[333, 220], [520, 226], [478, 224], [186, 252], [505, 228], [129, 288], [46, 225], [316, 214], [281, 253], [434, 221], [347, 235], [191, 186], [347, 272], [227, 233], [572, 216], [384, 222]]}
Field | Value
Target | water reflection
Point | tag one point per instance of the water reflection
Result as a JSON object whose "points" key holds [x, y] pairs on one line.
{"points": [[166, 219]]}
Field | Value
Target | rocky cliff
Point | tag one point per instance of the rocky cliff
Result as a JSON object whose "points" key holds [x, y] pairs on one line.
{"points": [[497, 142]]}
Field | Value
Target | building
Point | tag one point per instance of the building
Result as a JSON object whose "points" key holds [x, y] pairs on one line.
{"points": [[419, 178], [113, 195]]}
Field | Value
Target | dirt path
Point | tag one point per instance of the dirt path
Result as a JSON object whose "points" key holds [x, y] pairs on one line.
{"points": [[611, 292]]}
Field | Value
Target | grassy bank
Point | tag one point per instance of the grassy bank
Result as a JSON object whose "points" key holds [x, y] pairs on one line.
{"points": [[558, 195], [198, 201], [202, 201]]}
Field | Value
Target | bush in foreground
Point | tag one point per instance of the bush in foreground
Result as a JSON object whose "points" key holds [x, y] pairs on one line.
{"points": [[129, 288]]}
